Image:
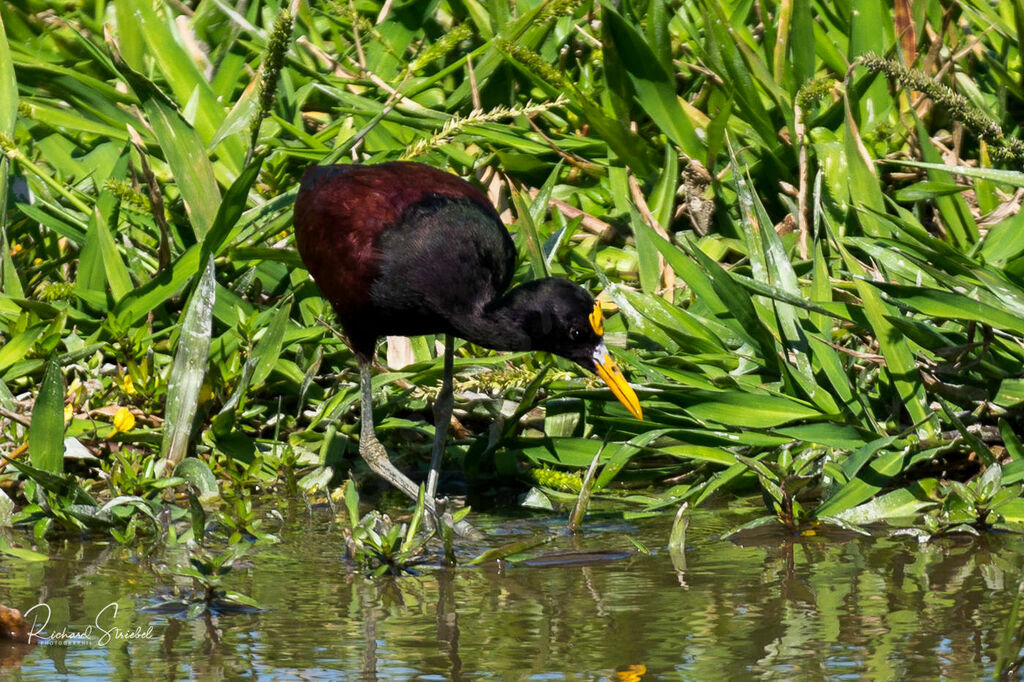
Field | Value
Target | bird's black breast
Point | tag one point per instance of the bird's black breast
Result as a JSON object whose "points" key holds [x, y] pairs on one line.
{"points": [[445, 259]]}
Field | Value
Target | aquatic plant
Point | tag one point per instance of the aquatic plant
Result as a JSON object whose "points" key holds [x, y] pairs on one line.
{"points": [[808, 247]]}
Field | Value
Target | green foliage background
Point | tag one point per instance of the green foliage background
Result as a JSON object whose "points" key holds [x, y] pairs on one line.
{"points": [[812, 272]]}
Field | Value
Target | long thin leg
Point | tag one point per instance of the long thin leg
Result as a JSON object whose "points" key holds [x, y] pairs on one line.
{"points": [[371, 449], [442, 417], [377, 458]]}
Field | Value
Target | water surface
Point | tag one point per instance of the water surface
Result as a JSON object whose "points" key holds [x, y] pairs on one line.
{"points": [[774, 607]]}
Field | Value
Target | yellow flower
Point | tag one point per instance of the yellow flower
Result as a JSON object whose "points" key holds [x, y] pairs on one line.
{"points": [[124, 420], [69, 411], [73, 389], [633, 673], [16, 249], [129, 386]]}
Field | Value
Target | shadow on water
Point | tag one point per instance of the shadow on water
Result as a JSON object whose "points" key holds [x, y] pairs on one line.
{"points": [[588, 606]]}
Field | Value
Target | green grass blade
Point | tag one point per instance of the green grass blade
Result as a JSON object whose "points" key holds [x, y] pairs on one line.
{"points": [[104, 220], [151, 295], [655, 86], [186, 155], [647, 252], [10, 283], [225, 224], [962, 228], [183, 75], [528, 230], [948, 305], [776, 269], [268, 348], [8, 86], [899, 358], [862, 181], [1006, 177]]}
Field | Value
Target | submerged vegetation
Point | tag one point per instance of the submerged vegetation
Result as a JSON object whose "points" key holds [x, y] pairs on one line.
{"points": [[802, 219]]}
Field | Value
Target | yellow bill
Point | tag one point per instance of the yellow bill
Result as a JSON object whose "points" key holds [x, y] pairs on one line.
{"points": [[612, 375]]}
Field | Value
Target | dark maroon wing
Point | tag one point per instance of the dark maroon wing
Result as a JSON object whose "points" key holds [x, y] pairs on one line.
{"points": [[341, 210]]}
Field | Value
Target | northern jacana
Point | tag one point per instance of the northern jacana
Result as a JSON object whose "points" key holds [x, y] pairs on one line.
{"points": [[405, 249]]}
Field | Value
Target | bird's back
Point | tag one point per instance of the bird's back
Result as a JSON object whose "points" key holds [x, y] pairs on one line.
{"points": [[381, 243]]}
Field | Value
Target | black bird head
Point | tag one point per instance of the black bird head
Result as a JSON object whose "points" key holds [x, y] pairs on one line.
{"points": [[561, 317]]}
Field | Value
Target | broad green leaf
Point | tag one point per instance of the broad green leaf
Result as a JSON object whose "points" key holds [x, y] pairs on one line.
{"points": [[1011, 441], [197, 472], [568, 452], [69, 120], [900, 503], [46, 433], [748, 410], [636, 308], [662, 199], [189, 368], [21, 552], [871, 478], [700, 453], [842, 436], [647, 253], [726, 59], [1004, 240], [64, 486], [703, 286], [621, 453], [871, 30], [853, 464], [862, 181], [131, 41], [961, 226], [16, 349], [101, 262], [776, 270], [134, 501], [6, 509], [719, 481]]}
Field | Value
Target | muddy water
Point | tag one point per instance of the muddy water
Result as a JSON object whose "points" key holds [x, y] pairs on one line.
{"points": [[774, 607]]}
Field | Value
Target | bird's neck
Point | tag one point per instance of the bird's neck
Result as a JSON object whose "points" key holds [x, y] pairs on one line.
{"points": [[498, 325]]}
